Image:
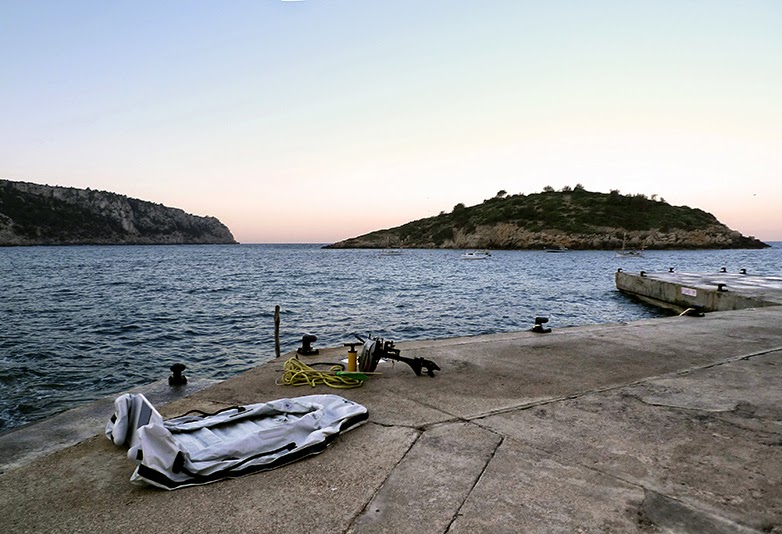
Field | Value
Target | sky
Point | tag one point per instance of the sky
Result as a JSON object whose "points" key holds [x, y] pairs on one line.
{"points": [[314, 121]]}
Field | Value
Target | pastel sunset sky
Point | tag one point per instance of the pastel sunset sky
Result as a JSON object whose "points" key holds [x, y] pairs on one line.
{"points": [[319, 120]]}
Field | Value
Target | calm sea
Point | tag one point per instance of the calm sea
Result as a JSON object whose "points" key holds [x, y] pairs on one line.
{"points": [[80, 323]]}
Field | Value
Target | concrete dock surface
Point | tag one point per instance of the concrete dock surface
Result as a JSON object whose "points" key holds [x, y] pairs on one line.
{"points": [[664, 425], [720, 291]]}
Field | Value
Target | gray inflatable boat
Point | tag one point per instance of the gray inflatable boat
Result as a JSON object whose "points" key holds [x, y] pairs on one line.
{"points": [[199, 448]]}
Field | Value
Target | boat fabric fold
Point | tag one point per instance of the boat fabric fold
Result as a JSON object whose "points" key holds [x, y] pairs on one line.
{"points": [[131, 412], [201, 448]]}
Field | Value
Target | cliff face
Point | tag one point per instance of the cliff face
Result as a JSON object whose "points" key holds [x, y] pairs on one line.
{"points": [[574, 219], [32, 214]]}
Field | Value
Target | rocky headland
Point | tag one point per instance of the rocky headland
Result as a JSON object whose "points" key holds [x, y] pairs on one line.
{"points": [[33, 214], [572, 218]]}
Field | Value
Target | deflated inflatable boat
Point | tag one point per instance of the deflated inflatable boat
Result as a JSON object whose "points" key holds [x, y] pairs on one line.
{"points": [[199, 448]]}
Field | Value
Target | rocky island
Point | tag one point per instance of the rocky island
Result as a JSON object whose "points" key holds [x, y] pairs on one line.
{"points": [[572, 218], [32, 214]]}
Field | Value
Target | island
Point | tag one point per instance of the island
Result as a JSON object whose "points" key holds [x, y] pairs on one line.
{"points": [[33, 214], [570, 219]]}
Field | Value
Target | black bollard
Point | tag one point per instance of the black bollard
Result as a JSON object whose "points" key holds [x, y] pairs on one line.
{"points": [[539, 328], [178, 378], [306, 345]]}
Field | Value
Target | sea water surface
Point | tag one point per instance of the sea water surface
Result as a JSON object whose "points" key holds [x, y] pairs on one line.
{"points": [[80, 323]]}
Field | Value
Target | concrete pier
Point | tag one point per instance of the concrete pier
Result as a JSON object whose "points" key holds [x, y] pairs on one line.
{"points": [[24, 445], [707, 292], [664, 425]]}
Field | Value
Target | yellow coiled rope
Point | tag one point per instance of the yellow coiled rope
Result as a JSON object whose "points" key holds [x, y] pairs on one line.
{"points": [[297, 373]]}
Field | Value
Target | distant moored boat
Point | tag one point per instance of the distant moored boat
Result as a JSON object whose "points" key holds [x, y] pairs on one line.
{"points": [[628, 253], [391, 252], [476, 255]]}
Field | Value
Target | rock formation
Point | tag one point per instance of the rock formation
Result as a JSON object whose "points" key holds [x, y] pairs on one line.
{"points": [[32, 214], [574, 219]]}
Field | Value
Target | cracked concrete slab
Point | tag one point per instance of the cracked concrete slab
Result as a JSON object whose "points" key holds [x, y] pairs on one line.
{"points": [[691, 455], [745, 393], [504, 372], [527, 490], [427, 488], [670, 515]]}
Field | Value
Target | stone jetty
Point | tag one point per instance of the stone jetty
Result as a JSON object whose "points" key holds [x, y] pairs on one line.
{"points": [[662, 425]]}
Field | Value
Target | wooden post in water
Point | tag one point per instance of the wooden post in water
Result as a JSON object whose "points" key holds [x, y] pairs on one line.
{"points": [[277, 331]]}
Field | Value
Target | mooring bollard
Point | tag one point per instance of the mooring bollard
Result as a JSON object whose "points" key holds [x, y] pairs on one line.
{"points": [[306, 345], [539, 328], [177, 378]]}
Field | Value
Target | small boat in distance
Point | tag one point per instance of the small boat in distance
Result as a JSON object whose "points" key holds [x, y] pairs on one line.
{"points": [[628, 253], [476, 255], [556, 249], [391, 252]]}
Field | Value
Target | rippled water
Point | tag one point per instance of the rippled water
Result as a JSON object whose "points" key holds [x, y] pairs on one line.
{"points": [[79, 323]]}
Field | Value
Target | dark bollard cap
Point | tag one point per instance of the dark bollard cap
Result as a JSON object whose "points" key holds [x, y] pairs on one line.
{"points": [[177, 378], [538, 328], [306, 345]]}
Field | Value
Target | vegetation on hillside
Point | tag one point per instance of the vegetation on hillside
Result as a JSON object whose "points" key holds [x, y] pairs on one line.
{"points": [[572, 211], [33, 214], [48, 217]]}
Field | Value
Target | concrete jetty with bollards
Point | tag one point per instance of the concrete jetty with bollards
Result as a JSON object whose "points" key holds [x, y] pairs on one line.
{"points": [[663, 425], [721, 291]]}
